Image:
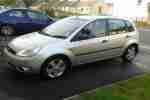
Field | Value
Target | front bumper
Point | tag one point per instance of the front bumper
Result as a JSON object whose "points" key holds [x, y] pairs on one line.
{"points": [[23, 64]]}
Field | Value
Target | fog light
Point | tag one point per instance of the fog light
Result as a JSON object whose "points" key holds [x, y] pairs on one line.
{"points": [[22, 69], [25, 68]]}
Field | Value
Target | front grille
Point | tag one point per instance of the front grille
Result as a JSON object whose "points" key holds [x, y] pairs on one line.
{"points": [[11, 50]]}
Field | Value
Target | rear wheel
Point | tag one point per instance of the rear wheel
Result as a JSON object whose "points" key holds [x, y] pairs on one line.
{"points": [[130, 53], [54, 67], [7, 30]]}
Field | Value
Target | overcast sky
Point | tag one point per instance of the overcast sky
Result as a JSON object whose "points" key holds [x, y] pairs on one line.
{"points": [[129, 7]]}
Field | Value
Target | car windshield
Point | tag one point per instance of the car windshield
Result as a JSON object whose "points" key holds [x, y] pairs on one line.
{"points": [[64, 28]]}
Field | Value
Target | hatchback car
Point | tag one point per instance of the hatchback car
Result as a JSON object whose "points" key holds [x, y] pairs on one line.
{"points": [[22, 21], [73, 41]]}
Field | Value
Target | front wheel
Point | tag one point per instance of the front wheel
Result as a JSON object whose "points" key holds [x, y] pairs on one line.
{"points": [[130, 53], [54, 67]]}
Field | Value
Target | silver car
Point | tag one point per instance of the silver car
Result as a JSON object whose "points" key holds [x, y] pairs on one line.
{"points": [[73, 41]]}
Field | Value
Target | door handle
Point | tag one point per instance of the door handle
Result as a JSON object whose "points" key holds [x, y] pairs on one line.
{"points": [[104, 41]]}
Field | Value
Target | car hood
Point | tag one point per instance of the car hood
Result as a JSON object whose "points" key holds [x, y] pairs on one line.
{"points": [[32, 41]]}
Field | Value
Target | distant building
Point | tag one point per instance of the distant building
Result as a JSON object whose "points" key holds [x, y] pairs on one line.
{"points": [[79, 7], [86, 7]]}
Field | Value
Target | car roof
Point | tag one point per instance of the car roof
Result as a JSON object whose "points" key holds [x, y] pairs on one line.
{"points": [[91, 18], [26, 9], [23, 9]]}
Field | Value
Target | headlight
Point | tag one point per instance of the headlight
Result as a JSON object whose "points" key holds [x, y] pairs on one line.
{"points": [[28, 52]]}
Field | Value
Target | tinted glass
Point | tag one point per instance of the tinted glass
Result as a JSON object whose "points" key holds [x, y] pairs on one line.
{"points": [[116, 26], [100, 28], [36, 15], [85, 33], [16, 13], [92, 30]]}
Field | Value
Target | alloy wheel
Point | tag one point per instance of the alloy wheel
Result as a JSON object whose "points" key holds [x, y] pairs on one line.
{"points": [[56, 68]]}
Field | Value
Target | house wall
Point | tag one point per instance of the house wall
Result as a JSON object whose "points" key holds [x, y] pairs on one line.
{"points": [[106, 9], [84, 10]]}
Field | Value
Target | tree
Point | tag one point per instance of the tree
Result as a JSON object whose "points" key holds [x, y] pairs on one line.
{"points": [[29, 3], [7, 2], [148, 9]]}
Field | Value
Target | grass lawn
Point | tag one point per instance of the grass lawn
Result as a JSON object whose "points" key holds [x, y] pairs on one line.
{"points": [[137, 88]]}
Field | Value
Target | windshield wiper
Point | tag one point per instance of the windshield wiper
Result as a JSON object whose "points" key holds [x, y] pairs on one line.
{"points": [[41, 32]]}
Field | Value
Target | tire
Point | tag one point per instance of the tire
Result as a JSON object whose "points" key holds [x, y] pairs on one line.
{"points": [[130, 53], [49, 69], [7, 30]]}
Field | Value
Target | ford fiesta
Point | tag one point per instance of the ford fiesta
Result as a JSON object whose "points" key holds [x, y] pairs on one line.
{"points": [[73, 41]]}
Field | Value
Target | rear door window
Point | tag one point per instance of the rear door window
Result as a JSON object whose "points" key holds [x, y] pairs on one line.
{"points": [[37, 15], [116, 26]]}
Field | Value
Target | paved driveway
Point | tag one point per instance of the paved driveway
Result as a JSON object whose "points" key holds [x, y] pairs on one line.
{"points": [[144, 36], [81, 78], [14, 86]]}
